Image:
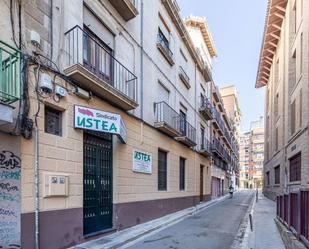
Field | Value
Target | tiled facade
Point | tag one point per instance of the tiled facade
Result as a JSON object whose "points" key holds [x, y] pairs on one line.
{"points": [[147, 66], [283, 70]]}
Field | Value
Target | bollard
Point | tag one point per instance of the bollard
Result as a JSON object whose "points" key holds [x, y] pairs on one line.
{"points": [[251, 224], [257, 195]]}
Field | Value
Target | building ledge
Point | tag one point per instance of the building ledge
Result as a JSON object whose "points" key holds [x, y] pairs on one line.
{"points": [[125, 8], [90, 81]]}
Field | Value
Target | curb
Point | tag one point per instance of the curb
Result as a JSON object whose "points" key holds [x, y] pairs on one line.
{"points": [[147, 228], [288, 238], [241, 240]]}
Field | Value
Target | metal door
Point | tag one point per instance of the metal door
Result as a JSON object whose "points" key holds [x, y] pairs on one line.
{"points": [[98, 192]]}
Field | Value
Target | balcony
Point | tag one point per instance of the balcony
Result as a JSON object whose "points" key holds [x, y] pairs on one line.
{"points": [[217, 148], [164, 48], [184, 77], [126, 8], [94, 68], [206, 109], [167, 119], [218, 122], [205, 147], [188, 133], [9, 74]]}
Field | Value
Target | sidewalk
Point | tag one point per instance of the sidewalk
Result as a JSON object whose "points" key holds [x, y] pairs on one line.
{"points": [[265, 232], [125, 236]]}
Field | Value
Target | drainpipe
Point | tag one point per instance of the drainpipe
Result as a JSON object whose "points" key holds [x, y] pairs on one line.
{"points": [[36, 187], [51, 30], [142, 59]]}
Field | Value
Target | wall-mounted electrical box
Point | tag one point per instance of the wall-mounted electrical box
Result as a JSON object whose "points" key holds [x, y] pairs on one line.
{"points": [[46, 83], [56, 185], [60, 91]]}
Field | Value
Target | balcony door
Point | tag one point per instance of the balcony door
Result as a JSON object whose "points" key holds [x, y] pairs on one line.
{"points": [[97, 56], [183, 123]]}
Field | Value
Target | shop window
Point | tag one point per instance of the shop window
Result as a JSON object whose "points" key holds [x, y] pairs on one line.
{"points": [[295, 168], [162, 170], [182, 176], [53, 121]]}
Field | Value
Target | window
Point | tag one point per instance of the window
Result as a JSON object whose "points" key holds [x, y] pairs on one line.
{"points": [[267, 178], [300, 108], [295, 168], [163, 93], [301, 54], [182, 175], [276, 107], [53, 121], [202, 137], [162, 170], [295, 17], [293, 117], [277, 174], [277, 139]]}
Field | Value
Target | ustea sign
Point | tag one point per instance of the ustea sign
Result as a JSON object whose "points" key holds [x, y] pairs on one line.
{"points": [[97, 120], [142, 162]]}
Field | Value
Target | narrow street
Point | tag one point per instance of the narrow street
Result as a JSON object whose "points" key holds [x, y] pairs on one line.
{"points": [[215, 227]]}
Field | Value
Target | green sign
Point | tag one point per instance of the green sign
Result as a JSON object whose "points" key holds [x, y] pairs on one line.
{"points": [[97, 120]]}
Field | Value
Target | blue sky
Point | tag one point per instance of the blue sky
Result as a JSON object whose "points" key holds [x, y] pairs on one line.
{"points": [[237, 29]]}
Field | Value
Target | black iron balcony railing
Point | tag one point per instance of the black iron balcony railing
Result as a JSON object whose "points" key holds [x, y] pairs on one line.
{"points": [[89, 52], [167, 115], [205, 145], [187, 130], [217, 147], [164, 47], [219, 120], [206, 108], [9, 73], [184, 77]]}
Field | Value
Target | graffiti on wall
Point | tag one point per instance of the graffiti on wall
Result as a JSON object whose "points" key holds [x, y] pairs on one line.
{"points": [[9, 200]]}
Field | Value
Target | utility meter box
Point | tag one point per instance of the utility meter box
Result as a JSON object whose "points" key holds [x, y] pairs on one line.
{"points": [[56, 185]]}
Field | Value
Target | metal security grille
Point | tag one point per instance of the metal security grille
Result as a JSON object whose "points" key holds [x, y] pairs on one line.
{"points": [[98, 203], [53, 124], [162, 170], [295, 168]]}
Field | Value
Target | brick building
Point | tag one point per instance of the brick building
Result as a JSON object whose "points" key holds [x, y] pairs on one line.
{"points": [[252, 156], [107, 118], [283, 71]]}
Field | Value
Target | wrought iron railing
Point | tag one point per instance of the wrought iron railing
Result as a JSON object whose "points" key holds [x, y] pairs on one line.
{"points": [[205, 144], [218, 119], [166, 114], [216, 145], [164, 44], [9, 73], [187, 130], [89, 52], [205, 103]]}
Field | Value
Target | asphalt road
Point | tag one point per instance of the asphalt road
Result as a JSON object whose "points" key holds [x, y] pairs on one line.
{"points": [[212, 228]]}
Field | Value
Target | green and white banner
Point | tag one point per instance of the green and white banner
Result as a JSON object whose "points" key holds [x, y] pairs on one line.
{"points": [[97, 120]]}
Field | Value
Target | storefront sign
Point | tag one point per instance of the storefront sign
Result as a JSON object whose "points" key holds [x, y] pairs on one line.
{"points": [[142, 162], [97, 120]]}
